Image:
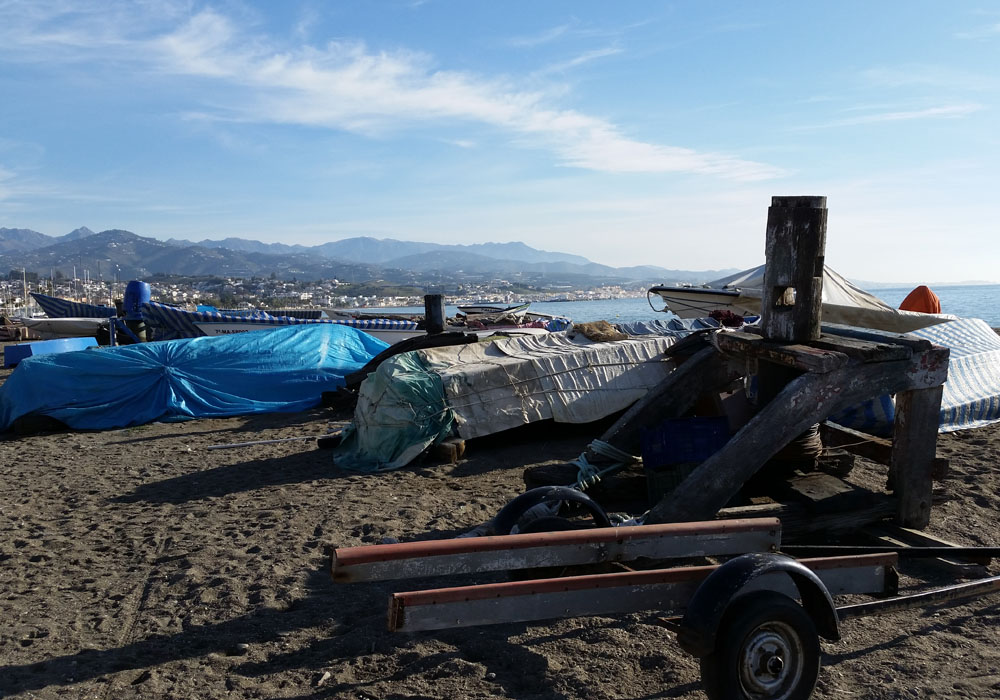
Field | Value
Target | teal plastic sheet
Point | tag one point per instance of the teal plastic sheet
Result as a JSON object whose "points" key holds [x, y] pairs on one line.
{"points": [[280, 370], [401, 411]]}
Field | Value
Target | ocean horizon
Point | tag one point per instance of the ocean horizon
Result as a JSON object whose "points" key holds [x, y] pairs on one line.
{"points": [[966, 301]]}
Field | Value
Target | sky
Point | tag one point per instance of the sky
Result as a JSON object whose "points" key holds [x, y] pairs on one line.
{"points": [[629, 133]]}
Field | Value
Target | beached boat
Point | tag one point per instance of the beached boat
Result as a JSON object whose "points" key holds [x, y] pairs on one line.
{"points": [[493, 309], [741, 294], [54, 307], [171, 322], [65, 327]]}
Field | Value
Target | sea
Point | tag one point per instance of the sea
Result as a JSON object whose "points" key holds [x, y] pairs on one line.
{"points": [[966, 301]]}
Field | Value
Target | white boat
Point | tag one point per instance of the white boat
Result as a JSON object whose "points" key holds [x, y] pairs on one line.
{"points": [[687, 301], [493, 309], [50, 328], [843, 302]]}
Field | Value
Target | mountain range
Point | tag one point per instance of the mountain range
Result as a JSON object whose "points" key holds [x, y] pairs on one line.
{"points": [[128, 255]]}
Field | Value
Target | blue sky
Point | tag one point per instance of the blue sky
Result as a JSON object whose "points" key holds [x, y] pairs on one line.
{"points": [[630, 133]]}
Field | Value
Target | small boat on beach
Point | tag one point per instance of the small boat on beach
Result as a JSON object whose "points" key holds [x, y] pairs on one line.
{"points": [[741, 293], [65, 327], [493, 309], [54, 307], [172, 322]]}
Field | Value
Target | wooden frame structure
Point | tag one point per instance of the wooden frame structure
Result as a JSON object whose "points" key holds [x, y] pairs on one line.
{"points": [[806, 371]]}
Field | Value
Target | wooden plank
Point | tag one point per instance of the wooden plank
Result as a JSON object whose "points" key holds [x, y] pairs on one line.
{"points": [[510, 552], [871, 447], [863, 350], [913, 447], [887, 533], [805, 401], [876, 336], [799, 356], [916, 538], [664, 590], [800, 524]]}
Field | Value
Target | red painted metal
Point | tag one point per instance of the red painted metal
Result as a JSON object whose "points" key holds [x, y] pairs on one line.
{"points": [[366, 554], [594, 581]]}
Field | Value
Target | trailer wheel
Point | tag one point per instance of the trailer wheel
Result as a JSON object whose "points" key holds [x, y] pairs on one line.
{"points": [[767, 648]]}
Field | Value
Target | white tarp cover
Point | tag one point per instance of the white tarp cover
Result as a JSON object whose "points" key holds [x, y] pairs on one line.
{"points": [[971, 396], [843, 302], [500, 385]]}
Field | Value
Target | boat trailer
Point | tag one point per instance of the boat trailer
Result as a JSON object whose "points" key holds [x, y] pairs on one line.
{"points": [[754, 622]]}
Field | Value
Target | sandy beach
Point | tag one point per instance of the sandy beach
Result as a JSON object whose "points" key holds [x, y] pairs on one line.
{"points": [[137, 563]]}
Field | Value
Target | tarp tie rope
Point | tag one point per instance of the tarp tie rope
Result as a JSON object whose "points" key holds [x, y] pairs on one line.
{"points": [[588, 474]]}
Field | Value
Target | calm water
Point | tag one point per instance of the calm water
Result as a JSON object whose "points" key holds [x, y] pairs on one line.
{"points": [[981, 301]]}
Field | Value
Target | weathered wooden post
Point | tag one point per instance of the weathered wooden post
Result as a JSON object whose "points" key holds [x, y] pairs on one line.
{"points": [[792, 303], [795, 251], [434, 316]]}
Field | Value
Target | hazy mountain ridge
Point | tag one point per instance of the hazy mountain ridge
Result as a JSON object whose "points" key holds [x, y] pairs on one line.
{"points": [[129, 255]]}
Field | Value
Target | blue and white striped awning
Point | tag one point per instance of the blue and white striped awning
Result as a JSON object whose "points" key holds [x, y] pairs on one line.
{"points": [[172, 322], [55, 307], [971, 396]]}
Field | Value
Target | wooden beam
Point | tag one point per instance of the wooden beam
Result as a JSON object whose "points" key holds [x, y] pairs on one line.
{"points": [[664, 590], [511, 552], [863, 350], [871, 447], [798, 524], [913, 447], [803, 357], [954, 565], [876, 336]]}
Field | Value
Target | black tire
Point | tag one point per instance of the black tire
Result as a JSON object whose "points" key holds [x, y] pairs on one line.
{"points": [[766, 648], [548, 523]]}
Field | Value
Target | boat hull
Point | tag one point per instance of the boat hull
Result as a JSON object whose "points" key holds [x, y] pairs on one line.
{"points": [[51, 328], [698, 302]]}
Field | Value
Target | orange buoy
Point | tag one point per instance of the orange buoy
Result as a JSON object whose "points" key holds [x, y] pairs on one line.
{"points": [[921, 299]]}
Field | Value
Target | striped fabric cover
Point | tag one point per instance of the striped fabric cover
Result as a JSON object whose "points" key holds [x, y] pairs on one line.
{"points": [[971, 396], [172, 322], [55, 307], [972, 393]]}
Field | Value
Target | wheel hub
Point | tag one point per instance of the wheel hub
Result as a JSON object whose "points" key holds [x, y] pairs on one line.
{"points": [[770, 662]]}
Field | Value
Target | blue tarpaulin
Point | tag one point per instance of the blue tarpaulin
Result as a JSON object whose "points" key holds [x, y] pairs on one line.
{"points": [[280, 370]]}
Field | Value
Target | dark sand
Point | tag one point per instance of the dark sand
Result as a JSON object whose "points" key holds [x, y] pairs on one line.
{"points": [[136, 564]]}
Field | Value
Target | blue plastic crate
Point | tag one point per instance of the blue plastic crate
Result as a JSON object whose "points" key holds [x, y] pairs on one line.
{"points": [[674, 448], [683, 440]]}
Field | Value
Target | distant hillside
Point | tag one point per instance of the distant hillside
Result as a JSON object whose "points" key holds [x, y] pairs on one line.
{"points": [[356, 259], [21, 240]]}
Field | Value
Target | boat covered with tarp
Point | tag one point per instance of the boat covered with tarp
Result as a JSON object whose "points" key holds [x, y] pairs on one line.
{"points": [[170, 322], [286, 370], [54, 307], [418, 398]]}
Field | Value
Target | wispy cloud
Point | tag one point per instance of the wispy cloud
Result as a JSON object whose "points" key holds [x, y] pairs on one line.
{"points": [[940, 112], [921, 75], [543, 37], [576, 61], [985, 32], [345, 86]]}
